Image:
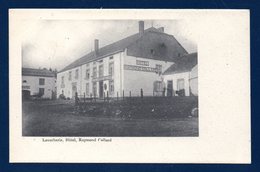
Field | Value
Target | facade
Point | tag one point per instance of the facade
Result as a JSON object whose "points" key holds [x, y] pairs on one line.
{"points": [[124, 67], [194, 80], [38, 82], [182, 76]]}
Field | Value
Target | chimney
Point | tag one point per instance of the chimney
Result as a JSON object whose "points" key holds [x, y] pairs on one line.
{"points": [[161, 29], [141, 27], [96, 46]]}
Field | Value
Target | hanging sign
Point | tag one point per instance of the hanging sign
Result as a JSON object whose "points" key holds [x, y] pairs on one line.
{"points": [[140, 68]]}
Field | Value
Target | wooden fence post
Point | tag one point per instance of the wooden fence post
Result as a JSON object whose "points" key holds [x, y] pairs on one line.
{"points": [[142, 93], [76, 98], [107, 96], [123, 94], [117, 95], [130, 94]]}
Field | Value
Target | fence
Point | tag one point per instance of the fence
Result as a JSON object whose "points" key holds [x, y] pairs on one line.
{"points": [[136, 106], [126, 98]]}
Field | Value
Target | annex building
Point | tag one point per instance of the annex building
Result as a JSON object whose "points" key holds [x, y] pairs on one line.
{"points": [[128, 65], [39, 83]]}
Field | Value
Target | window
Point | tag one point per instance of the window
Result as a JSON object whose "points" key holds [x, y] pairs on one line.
{"points": [[180, 84], [87, 64], [111, 57], [76, 74], [62, 82], [70, 75], [95, 89], [87, 89], [111, 69], [100, 71], [111, 86], [95, 72], [87, 74], [158, 87], [41, 81], [159, 68], [41, 91], [152, 51], [24, 81]]}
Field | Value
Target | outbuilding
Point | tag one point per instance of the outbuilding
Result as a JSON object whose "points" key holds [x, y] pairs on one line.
{"points": [[181, 78], [39, 83]]}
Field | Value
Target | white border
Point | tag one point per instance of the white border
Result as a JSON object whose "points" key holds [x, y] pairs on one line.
{"points": [[224, 94]]}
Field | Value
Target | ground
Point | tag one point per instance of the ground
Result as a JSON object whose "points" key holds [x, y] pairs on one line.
{"points": [[62, 118]]}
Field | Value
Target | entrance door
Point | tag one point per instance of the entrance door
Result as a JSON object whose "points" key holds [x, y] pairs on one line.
{"points": [[101, 89], [74, 89], [26, 94], [169, 88]]}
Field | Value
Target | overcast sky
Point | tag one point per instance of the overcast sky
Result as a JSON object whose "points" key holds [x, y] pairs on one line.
{"points": [[56, 43]]}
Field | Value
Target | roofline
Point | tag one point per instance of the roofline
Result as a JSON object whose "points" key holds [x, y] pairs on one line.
{"points": [[39, 75], [180, 44], [100, 57], [126, 48], [170, 73], [43, 75]]}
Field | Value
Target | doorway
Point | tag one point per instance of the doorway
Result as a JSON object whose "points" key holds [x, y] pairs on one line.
{"points": [[26, 94], [169, 88], [101, 89], [74, 89]]}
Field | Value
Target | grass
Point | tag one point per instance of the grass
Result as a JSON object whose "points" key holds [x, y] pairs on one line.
{"points": [[60, 118]]}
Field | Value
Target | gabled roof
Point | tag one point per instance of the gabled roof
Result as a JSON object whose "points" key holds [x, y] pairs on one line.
{"points": [[37, 72], [183, 64], [110, 49]]}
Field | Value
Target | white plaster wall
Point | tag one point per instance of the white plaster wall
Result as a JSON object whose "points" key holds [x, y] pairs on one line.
{"points": [[118, 76], [194, 80], [126, 80], [81, 81], [68, 83], [33, 82], [135, 80]]}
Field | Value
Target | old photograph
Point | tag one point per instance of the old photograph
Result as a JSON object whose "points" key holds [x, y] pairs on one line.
{"points": [[126, 78], [129, 86]]}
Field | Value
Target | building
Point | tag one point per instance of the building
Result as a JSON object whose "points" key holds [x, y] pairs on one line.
{"points": [[38, 83], [181, 78], [123, 67]]}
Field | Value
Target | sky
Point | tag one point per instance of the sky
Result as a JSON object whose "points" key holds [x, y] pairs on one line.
{"points": [[56, 43]]}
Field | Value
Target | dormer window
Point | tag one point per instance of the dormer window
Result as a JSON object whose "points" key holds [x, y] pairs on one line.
{"points": [[152, 51]]}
